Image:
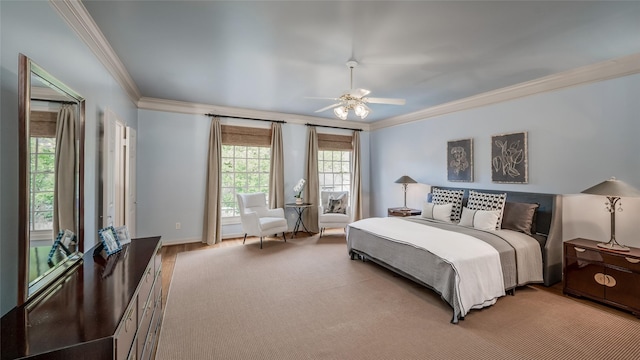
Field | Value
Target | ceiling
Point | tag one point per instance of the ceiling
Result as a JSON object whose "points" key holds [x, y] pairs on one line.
{"points": [[271, 55]]}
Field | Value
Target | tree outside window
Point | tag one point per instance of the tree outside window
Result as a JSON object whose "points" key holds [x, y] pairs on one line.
{"points": [[334, 170], [41, 183], [245, 169]]}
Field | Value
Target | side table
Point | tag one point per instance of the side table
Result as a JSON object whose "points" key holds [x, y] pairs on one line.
{"points": [[403, 212], [299, 209], [607, 276]]}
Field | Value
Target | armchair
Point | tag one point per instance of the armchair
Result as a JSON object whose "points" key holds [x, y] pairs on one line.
{"points": [[257, 219], [334, 214]]}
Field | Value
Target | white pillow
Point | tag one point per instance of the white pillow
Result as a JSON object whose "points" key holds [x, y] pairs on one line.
{"points": [[480, 219], [437, 212]]}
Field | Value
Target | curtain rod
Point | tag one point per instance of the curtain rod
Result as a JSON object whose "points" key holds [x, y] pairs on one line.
{"points": [[332, 127], [247, 118], [55, 101]]}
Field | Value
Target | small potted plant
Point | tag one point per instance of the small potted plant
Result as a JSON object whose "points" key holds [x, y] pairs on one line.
{"points": [[298, 191]]}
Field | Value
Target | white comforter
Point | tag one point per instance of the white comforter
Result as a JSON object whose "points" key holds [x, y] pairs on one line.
{"points": [[479, 278]]}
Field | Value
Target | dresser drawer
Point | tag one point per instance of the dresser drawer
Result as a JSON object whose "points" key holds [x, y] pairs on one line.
{"points": [[143, 329], [144, 292], [582, 253], [623, 261], [127, 331]]}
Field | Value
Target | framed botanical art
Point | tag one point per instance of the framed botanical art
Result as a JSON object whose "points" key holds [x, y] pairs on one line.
{"points": [[460, 160], [509, 163]]}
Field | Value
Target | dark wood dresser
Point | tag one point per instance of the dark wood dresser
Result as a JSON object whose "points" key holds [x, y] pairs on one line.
{"points": [[104, 309], [611, 277]]}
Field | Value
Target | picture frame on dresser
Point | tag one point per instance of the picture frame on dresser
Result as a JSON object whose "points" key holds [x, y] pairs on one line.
{"points": [[109, 240], [123, 234], [460, 160]]}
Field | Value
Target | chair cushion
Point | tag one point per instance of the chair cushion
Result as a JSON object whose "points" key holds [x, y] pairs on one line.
{"points": [[332, 217], [255, 200], [267, 223]]}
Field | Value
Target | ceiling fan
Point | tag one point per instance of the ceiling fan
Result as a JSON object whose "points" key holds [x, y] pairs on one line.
{"points": [[356, 100]]}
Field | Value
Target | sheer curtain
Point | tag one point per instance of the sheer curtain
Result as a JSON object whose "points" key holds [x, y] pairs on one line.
{"points": [[311, 189], [276, 172], [64, 196], [211, 229], [356, 182]]}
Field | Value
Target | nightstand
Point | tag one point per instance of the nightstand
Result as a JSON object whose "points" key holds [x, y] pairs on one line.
{"points": [[402, 212], [607, 276]]}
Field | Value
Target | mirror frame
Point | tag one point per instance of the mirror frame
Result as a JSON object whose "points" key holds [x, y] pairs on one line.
{"points": [[26, 67]]}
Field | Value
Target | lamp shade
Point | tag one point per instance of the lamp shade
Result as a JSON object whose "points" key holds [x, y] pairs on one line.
{"points": [[404, 179], [613, 187]]}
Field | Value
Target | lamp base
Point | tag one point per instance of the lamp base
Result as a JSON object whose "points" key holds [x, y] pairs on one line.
{"points": [[613, 245]]}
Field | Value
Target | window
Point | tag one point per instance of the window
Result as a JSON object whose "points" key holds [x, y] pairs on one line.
{"points": [[41, 183], [244, 169], [334, 170]]}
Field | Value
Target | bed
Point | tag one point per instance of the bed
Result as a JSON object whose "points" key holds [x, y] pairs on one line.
{"points": [[470, 267]]}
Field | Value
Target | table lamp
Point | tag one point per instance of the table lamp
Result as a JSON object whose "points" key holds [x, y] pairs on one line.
{"points": [[613, 189], [404, 180]]}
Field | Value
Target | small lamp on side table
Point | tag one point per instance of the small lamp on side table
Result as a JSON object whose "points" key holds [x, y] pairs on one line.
{"points": [[613, 189], [404, 180]]}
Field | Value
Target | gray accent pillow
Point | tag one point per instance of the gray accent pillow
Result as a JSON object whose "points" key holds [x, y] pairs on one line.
{"points": [[519, 216], [336, 205]]}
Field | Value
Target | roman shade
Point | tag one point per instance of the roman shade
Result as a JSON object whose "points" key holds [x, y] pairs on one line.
{"points": [[245, 136], [335, 142]]}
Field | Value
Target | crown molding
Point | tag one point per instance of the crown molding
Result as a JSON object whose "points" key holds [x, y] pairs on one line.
{"points": [[184, 107], [77, 17], [605, 70]]}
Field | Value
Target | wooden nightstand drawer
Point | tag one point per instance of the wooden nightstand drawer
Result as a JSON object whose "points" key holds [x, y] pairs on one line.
{"points": [[583, 253], [623, 261], [403, 212]]}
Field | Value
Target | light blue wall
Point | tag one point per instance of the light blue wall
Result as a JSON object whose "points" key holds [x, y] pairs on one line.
{"points": [[577, 137], [36, 30], [172, 156]]}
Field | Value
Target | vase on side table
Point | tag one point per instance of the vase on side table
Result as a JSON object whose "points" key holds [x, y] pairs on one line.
{"points": [[298, 201]]}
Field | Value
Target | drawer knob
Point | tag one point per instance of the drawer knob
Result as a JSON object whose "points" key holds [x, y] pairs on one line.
{"points": [[579, 249], [610, 281], [632, 260], [129, 319], [600, 278]]}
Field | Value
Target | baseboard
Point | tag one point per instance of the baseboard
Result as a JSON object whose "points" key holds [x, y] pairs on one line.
{"points": [[196, 240]]}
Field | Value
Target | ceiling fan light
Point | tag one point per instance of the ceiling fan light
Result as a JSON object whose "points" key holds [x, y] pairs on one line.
{"points": [[340, 112], [361, 110]]}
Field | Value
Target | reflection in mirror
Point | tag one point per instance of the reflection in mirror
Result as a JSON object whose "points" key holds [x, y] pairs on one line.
{"points": [[51, 174]]}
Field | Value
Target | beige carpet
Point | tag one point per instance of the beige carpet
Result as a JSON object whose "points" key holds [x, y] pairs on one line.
{"points": [[306, 300]]}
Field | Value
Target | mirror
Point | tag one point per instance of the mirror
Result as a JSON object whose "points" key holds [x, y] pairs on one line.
{"points": [[51, 168]]}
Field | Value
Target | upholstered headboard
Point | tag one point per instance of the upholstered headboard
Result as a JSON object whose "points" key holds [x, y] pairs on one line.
{"points": [[548, 224]]}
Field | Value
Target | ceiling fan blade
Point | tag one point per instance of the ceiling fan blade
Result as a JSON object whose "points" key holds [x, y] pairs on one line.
{"points": [[389, 101], [358, 93], [329, 107]]}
